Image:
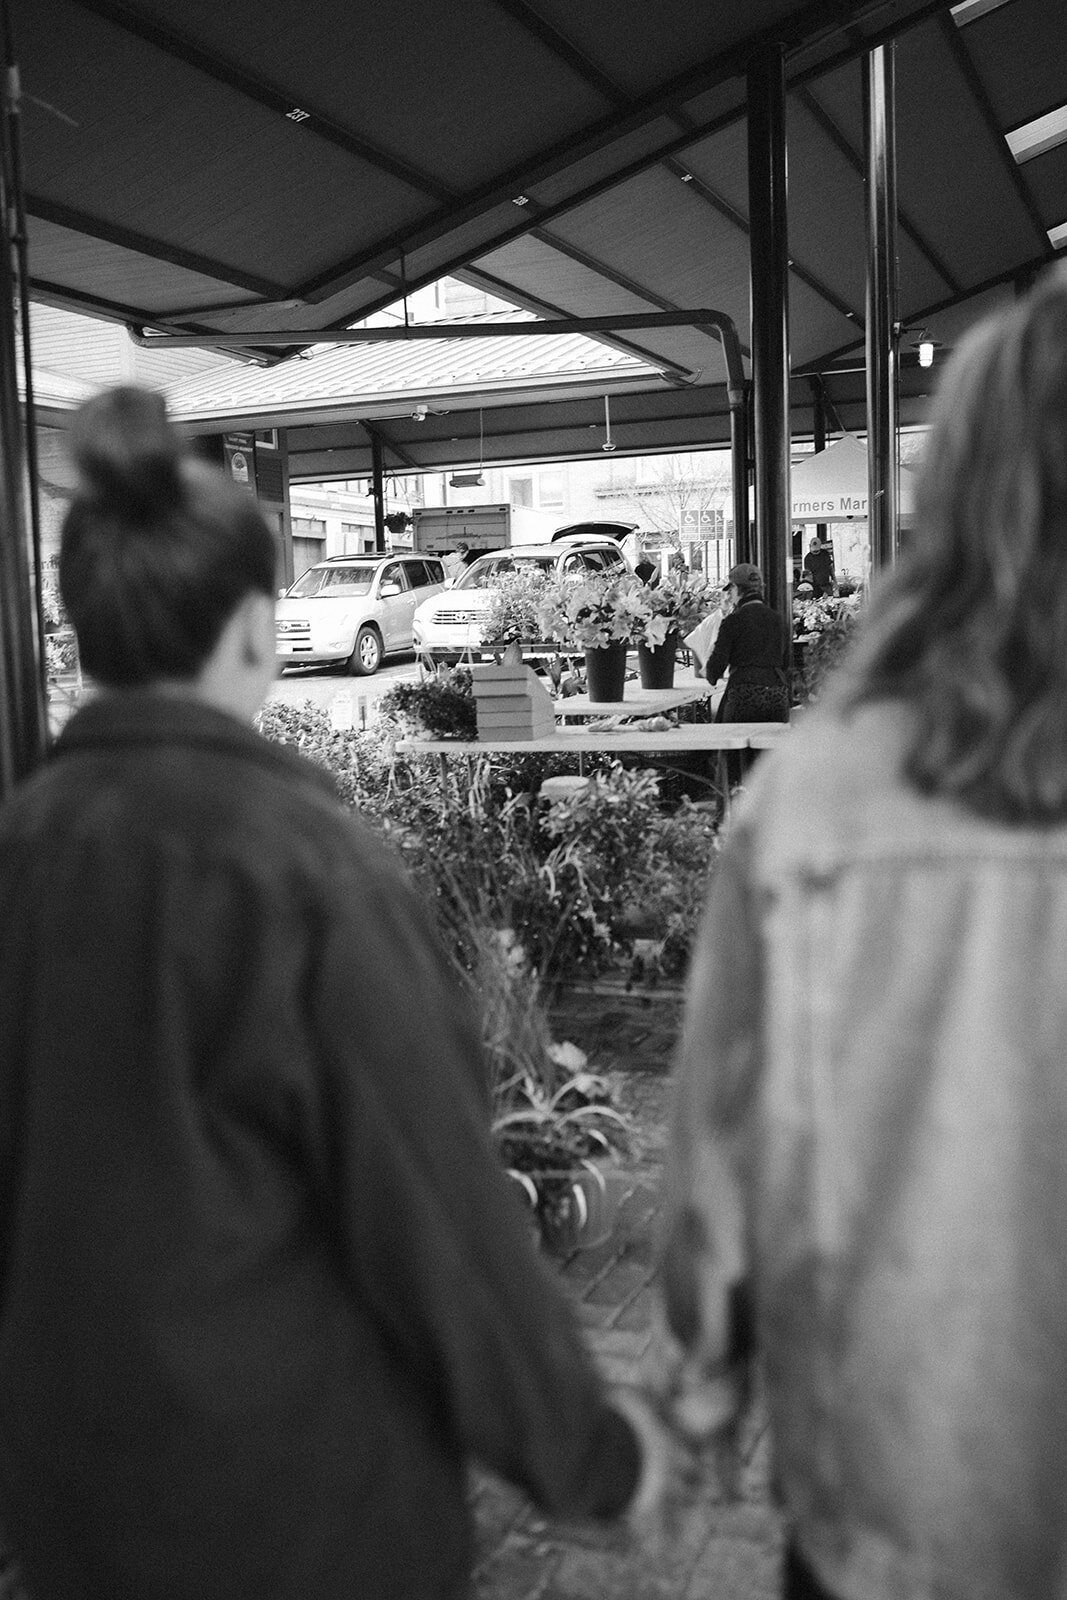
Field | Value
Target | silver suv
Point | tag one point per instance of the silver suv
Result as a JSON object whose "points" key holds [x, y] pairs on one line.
{"points": [[448, 628], [354, 609]]}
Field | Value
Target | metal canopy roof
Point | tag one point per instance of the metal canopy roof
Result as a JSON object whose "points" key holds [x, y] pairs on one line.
{"points": [[267, 166]]}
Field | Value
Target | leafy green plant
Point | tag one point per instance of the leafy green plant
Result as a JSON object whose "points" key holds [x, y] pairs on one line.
{"points": [[512, 615], [442, 706], [576, 883], [825, 629]]}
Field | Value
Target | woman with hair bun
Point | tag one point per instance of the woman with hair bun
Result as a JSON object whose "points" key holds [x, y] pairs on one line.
{"points": [[870, 1139], [263, 1288]]}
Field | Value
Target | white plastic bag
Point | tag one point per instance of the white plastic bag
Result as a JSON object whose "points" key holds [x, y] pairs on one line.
{"points": [[702, 639]]}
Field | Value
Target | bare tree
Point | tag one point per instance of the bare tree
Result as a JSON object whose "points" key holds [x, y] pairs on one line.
{"points": [[687, 497]]}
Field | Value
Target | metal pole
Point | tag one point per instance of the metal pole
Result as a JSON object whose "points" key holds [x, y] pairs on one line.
{"points": [[882, 327], [818, 434], [23, 718], [377, 484], [739, 474], [769, 248]]}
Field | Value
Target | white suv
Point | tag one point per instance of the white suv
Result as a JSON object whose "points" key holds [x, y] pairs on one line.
{"points": [[448, 628], [354, 609]]}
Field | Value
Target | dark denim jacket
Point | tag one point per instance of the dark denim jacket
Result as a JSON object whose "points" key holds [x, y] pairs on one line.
{"points": [[263, 1287]]}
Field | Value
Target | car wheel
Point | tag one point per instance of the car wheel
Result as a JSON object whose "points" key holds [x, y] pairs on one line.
{"points": [[367, 653]]}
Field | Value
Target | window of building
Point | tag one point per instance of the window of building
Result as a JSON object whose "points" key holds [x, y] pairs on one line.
{"points": [[309, 528], [521, 490], [355, 539], [550, 487]]}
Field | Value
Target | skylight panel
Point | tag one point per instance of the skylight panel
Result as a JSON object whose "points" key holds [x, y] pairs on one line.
{"points": [[971, 10], [1044, 133]]}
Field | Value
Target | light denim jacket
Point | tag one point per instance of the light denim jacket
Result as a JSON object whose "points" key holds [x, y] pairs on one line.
{"points": [[871, 1118]]}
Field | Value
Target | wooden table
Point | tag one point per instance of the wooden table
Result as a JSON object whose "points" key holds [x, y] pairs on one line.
{"points": [[582, 741]]}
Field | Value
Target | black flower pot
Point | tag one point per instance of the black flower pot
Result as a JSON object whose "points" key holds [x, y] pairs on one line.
{"points": [[605, 671], [656, 663]]}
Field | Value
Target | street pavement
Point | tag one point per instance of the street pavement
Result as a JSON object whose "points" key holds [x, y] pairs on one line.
{"points": [[349, 702], [721, 1550]]}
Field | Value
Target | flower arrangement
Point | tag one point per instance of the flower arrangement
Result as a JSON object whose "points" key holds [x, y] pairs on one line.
{"points": [[595, 612], [512, 616], [824, 628], [812, 617], [674, 605]]}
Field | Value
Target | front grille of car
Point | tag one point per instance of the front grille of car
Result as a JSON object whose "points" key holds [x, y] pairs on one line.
{"points": [[457, 614], [297, 634]]}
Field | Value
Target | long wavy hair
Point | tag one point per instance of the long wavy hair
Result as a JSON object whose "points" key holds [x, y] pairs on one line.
{"points": [[970, 631]]}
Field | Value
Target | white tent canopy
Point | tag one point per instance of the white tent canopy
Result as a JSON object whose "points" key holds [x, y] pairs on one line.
{"points": [[831, 486]]}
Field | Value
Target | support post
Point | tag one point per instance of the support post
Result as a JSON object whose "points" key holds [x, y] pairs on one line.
{"points": [[882, 324], [818, 440], [377, 482], [769, 247], [23, 716], [739, 473]]}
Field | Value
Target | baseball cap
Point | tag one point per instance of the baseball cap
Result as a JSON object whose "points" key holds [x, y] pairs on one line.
{"points": [[746, 576]]}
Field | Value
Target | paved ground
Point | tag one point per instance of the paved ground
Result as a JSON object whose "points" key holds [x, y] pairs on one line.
{"points": [[722, 1551]]}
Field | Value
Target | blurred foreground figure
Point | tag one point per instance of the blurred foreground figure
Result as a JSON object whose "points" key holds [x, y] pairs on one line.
{"points": [[870, 1147], [263, 1289]]}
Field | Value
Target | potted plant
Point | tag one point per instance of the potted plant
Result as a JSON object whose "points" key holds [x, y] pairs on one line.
{"points": [[599, 615], [559, 1146], [397, 521], [442, 707], [512, 618], [673, 608]]}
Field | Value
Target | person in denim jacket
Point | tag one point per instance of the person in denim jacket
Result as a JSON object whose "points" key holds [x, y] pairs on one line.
{"points": [[868, 1187]]}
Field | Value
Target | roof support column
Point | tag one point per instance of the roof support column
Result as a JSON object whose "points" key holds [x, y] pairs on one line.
{"points": [[879, 105], [739, 475], [377, 488], [818, 440], [769, 246], [23, 716]]}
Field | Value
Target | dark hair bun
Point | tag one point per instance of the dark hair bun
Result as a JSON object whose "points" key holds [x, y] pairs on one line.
{"points": [[128, 455]]}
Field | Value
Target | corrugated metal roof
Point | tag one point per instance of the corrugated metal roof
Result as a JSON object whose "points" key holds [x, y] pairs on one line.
{"points": [[377, 378]]}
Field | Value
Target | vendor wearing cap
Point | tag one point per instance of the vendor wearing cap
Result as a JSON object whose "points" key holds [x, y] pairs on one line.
{"points": [[751, 643]]}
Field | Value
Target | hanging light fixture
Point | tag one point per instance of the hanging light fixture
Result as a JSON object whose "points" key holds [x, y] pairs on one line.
{"points": [[923, 345], [472, 480], [609, 443]]}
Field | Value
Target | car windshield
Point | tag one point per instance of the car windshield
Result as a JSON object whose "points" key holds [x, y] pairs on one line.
{"points": [[485, 572], [332, 582]]}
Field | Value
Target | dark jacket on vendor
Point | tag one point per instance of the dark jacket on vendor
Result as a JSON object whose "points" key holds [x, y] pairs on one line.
{"points": [[751, 644], [254, 1232]]}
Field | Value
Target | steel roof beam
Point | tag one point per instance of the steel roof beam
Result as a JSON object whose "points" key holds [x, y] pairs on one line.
{"points": [[62, 216]]}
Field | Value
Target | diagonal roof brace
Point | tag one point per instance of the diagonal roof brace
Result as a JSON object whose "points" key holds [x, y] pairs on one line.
{"points": [[716, 321]]}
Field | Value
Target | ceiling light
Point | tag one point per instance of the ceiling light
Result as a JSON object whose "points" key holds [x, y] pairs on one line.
{"points": [[926, 352], [1034, 138]]}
